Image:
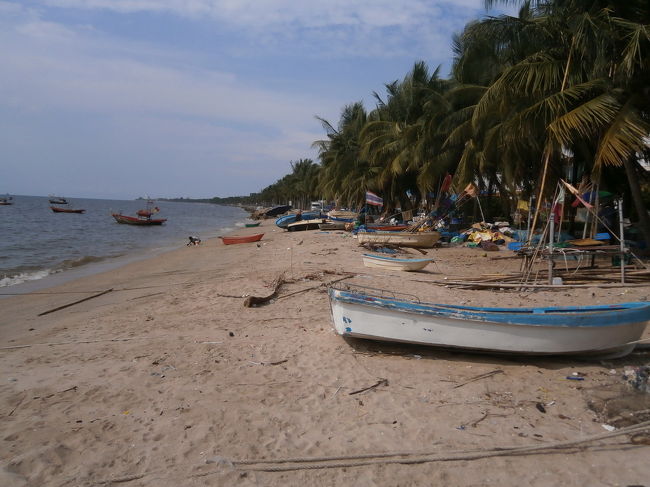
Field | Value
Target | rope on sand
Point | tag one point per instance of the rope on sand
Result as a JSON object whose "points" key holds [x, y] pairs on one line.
{"points": [[411, 458]]}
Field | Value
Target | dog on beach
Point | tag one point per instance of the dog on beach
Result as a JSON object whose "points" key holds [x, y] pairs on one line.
{"points": [[193, 241]]}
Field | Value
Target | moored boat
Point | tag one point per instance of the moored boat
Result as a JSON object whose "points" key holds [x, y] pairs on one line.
{"points": [[6, 200], [134, 220], [251, 225], [601, 330], [422, 240], [57, 200], [235, 239], [328, 225], [380, 227], [345, 216], [394, 263], [56, 209]]}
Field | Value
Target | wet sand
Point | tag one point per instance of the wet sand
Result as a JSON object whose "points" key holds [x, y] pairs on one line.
{"points": [[169, 380]]}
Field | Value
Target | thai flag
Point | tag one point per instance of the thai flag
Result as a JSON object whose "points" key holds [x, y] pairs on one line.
{"points": [[373, 199]]}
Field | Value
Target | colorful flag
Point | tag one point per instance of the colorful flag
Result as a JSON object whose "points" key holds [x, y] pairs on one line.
{"points": [[373, 199]]}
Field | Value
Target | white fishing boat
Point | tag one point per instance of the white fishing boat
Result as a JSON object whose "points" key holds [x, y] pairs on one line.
{"points": [[602, 330], [394, 263], [422, 240]]}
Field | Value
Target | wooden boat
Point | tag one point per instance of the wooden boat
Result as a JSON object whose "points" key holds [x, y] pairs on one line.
{"points": [[423, 240], [305, 225], [286, 220], [386, 227], [57, 200], [239, 239], [602, 330], [134, 220], [332, 225], [56, 209], [250, 225], [345, 216], [393, 263]]}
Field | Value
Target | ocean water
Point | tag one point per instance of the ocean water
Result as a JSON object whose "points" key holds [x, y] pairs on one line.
{"points": [[37, 244]]}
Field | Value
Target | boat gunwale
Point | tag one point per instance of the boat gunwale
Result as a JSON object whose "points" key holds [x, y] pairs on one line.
{"points": [[581, 316]]}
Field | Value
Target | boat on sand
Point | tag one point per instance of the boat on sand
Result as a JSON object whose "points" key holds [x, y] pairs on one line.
{"points": [[602, 330], [423, 240], [235, 239], [394, 263]]}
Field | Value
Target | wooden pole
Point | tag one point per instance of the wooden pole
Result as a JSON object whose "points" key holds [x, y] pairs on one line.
{"points": [[622, 239], [551, 221]]}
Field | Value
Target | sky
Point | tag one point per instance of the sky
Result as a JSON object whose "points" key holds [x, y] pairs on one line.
{"points": [[195, 98]]}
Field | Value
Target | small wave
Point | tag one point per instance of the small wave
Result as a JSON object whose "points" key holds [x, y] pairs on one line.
{"points": [[72, 263], [24, 277]]}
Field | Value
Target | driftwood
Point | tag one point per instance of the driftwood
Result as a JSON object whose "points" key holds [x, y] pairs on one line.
{"points": [[479, 377], [381, 382], [75, 302], [252, 301]]}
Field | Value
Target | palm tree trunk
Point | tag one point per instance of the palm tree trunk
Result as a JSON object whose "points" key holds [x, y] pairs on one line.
{"points": [[635, 190]]}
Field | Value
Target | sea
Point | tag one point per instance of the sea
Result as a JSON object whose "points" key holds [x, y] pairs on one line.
{"points": [[40, 248]]}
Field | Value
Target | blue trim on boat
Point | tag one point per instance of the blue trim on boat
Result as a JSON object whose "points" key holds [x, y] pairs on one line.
{"points": [[285, 220], [393, 259], [568, 316]]}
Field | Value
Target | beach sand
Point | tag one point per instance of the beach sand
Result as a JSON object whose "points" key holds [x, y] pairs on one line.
{"points": [[168, 380]]}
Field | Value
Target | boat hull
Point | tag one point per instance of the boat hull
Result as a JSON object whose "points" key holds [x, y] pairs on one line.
{"points": [[286, 220], [394, 264], [65, 210], [305, 225], [251, 225], [332, 226], [422, 240], [595, 330], [132, 220], [240, 240]]}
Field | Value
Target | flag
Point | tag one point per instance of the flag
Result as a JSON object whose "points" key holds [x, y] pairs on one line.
{"points": [[471, 190], [576, 193], [373, 199]]}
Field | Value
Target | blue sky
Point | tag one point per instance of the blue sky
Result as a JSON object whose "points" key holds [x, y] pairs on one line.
{"points": [[194, 98]]}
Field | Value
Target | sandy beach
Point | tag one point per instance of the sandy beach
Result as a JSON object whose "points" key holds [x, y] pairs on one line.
{"points": [[168, 380]]}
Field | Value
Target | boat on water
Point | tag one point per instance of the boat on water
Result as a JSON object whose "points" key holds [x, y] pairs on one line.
{"points": [[251, 225], [57, 209], [394, 263], [305, 225], [137, 220], [601, 330], [286, 220], [235, 239], [57, 200], [422, 240], [6, 200]]}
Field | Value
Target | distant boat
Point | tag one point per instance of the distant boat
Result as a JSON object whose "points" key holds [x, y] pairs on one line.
{"points": [[424, 240], [6, 200], [241, 239], [140, 221], [56, 209], [601, 330], [57, 200], [250, 225], [394, 264]]}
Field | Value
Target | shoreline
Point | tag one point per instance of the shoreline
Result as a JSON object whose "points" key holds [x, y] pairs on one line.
{"points": [[168, 377]]}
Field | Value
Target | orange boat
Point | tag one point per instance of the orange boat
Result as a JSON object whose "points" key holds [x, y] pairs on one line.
{"points": [[237, 240]]}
